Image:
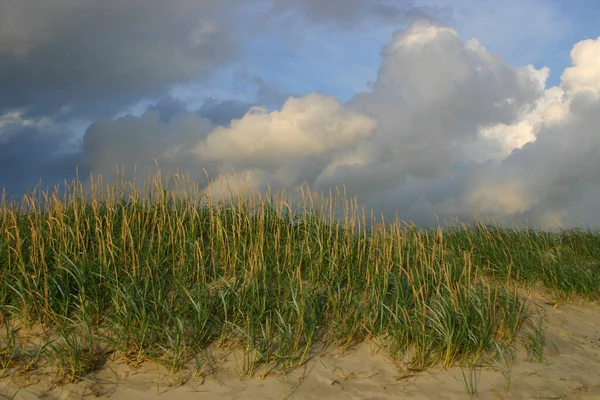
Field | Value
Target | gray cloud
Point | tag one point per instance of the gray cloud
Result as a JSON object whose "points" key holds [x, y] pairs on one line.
{"points": [[555, 178], [547, 179], [166, 108], [29, 154], [313, 128], [349, 13], [41, 149], [218, 112], [222, 112], [270, 93], [431, 99], [70, 52], [139, 142]]}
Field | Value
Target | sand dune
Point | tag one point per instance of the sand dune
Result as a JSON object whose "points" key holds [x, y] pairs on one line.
{"points": [[570, 370]]}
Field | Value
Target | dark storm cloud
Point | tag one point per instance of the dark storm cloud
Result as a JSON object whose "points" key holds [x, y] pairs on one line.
{"points": [[67, 52], [31, 154], [222, 112]]}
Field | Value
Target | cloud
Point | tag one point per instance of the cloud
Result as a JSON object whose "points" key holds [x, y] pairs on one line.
{"points": [[458, 132], [270, 93], [432, 97], [34, 149], [284, 148], [216, 111], [305, 131], [548, 176], [348, 13], [585, 72], [84, 53], [425, 116], [551, 177], [223, 112], [447, 128], [131, 141]]}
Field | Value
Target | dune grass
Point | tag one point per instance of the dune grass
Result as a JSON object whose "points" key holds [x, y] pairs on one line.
{"points": [[165, 272]]}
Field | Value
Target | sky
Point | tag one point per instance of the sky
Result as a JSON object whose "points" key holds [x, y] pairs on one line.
{"points": [[425, 109]]}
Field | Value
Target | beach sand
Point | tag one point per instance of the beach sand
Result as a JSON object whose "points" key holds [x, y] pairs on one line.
{"points": [[570, 370]]}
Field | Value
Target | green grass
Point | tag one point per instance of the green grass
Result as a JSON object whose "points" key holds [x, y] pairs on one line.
{"points": [[471, 374], [504, 360], [535, 339], [165, 272]]}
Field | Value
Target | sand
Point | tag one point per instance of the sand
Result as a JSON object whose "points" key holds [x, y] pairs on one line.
{"points": [[570, 370]]}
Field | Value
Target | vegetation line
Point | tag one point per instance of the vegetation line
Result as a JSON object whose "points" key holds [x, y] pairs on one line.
{"points": [[165, 272]]}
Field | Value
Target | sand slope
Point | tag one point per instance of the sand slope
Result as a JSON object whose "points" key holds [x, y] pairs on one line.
{"points": [[570, 370]]}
